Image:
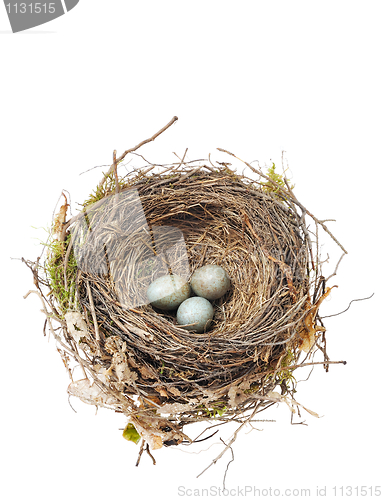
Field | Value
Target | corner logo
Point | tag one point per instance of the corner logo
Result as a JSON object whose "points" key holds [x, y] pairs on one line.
{"points": [[28, 14]]}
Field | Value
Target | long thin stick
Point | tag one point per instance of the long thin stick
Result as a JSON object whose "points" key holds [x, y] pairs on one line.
{"points": [[293, 367], [118, 160], [258, 172], [117, 186], [354, 300], [228, 446], [96, 329]]}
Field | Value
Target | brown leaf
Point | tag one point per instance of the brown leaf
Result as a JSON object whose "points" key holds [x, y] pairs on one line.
{"points": [[146, 372], [162, 391], [60, 219], [113, 344], [121, 369], [308, 333], [174, 391]]}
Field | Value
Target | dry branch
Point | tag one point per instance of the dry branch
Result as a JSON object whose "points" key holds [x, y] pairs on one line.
{"points": [[131, 150]]}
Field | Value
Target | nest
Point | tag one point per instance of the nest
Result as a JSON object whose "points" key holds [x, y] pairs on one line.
{"points": [[174, 219]]}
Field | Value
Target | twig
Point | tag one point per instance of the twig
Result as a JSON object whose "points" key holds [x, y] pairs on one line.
{"points": [[45, 311], [183, 158], [69, 395], [293, 367], [207, 429], [204, 439], [354, 300], [140, 453], [118, 160], [186, 176], [336, 267], [96, 329], [117, 185], [66, 262], [150, 455], [233, 438], [303, 226], [227, 466], [258, 172], [97, 166]]}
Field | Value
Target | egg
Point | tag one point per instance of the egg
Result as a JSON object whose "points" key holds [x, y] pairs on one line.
{"points": [[210, 281], [167, 292], [196, 312]]}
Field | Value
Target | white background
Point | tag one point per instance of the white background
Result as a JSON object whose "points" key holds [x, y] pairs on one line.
{"points": [[256, 78]]}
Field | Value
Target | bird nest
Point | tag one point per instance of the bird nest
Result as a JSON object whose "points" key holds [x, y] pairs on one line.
{"points": [[173, 219]]}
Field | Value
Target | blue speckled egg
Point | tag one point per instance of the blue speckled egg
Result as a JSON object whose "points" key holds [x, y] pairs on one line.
{"points": [[167, 292], [196, 310], [210, 281]]}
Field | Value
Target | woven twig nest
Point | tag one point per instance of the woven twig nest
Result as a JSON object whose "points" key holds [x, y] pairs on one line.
{"points": [[174, 219]]}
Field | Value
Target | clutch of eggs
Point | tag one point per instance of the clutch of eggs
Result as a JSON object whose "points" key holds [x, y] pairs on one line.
{"points": [[170, 292]]}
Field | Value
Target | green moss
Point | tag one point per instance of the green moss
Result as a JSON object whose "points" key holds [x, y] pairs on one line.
{"points": [[270, 187], [218, 408], [55, 271], [285, 378], [107, 188], [227, 170], [254, 387]]}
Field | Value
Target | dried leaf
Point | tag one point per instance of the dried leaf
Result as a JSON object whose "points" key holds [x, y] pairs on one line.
{"points": [[60, 219], [121, 369], [156, 442], [236, 396], [162, 391], [175, 408], [153, 438], [147, 372], [308, 340], [140, 332], [174, 391], [113, 344], [308, 333], [90, 393], [313, 413], [76, 325], [274, 395], [155, 400]]}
